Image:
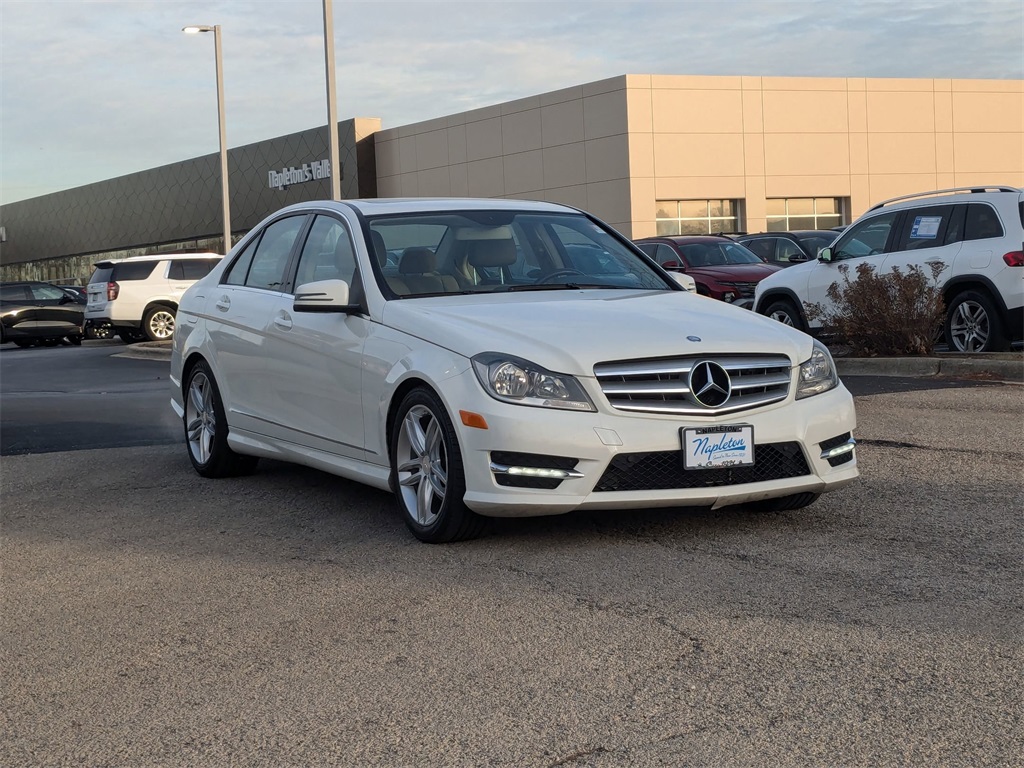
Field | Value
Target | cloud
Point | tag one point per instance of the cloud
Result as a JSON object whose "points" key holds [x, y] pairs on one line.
{"points": [[94, 89]]}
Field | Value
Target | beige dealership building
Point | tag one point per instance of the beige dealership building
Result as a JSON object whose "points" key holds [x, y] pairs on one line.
{"points": [[646, 153], [667, 154]]}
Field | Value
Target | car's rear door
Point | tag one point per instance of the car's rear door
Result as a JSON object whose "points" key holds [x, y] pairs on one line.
{"points": [[237, 311]]}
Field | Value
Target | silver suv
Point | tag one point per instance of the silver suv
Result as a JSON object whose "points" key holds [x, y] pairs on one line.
{"points": [[137, 298], [977, 233]]}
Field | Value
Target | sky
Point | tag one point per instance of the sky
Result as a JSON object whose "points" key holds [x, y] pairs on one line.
{"points": [[95, 89]]}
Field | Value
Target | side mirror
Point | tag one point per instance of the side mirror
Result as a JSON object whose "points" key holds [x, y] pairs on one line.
{"points": [[825, 254], [685, 281], [324, 296], [671, 265]]}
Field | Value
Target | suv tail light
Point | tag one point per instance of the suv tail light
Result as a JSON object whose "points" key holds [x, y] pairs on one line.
{"points": [[1014, 258], [112, 290]]}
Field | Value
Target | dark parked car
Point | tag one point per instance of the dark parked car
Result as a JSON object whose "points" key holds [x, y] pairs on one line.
{"points": [[721, 268], [34, 312], [786, 248]]}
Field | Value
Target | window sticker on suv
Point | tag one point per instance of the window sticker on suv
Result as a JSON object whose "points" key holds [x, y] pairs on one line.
{"points": [[925, 227]]}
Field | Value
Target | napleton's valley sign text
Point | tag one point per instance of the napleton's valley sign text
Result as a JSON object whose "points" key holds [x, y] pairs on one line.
{"points": [[318, 169]]}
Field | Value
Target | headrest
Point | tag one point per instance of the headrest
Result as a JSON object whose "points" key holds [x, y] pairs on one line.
{"points": [[417, 261], [380, 250], [492, 253]]}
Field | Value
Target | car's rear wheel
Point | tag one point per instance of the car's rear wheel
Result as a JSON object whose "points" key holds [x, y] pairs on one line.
{"points": [[206, 428], [786, 313], [973, 324], [426, 471], [158, 324], [23, 343], [130, 336]]}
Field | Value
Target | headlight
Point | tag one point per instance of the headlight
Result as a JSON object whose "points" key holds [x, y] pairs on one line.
{"points": [[818, 374], [514, 380]]}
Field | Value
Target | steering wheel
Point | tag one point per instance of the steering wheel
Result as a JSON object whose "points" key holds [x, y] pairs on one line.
{"points": [[557, 273]]}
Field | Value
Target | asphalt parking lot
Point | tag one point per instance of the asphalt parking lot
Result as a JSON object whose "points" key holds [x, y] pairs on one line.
{"points": [[151, 617]]}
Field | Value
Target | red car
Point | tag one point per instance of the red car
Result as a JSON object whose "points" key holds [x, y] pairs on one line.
{"points": [[722, 268]]}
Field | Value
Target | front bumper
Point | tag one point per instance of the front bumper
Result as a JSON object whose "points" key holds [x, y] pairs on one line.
{"points": [[603, 450]]}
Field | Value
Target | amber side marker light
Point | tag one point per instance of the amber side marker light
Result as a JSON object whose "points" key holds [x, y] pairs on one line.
{"points": [[471, 419]]}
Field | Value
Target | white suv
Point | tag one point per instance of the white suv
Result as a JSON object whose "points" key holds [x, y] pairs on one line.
{"points": [[976, 233], [137, 297]]}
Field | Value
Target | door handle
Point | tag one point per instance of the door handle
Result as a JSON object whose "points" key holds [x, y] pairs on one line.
{"points": [[283, 321], [223, 304]]}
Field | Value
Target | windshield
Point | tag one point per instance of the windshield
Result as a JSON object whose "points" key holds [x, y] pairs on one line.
{"points": [[498, 251], [717, 254]]}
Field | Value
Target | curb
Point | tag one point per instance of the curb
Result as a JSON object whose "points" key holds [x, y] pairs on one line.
{"points": [[999, 367], [147, 350]]}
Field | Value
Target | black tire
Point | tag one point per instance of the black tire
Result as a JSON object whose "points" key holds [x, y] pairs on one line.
{"points": [[75, 341], [973, 324], [158, 323], [786, 313], [131, 336], [786, 503], [426, 471], [24, 343], [50, 342], [206, 428]]}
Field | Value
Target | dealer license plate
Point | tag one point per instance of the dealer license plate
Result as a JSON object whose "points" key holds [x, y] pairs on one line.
{"points": [[717, 447]]}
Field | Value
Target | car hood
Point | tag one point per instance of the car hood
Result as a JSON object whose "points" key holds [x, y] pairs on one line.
{"points": [[571, 331], [746, 273]]}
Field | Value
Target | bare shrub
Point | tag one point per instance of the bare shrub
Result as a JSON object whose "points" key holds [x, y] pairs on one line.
{"points": [[897, 313]]}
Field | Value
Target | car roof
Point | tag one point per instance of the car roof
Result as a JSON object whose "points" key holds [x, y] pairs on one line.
{"points": [[953, 195], [107, 263], [394, 205], [690, 238]]}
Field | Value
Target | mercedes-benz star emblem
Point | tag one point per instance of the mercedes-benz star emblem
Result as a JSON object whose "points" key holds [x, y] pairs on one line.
{"points": [[710, 384]]}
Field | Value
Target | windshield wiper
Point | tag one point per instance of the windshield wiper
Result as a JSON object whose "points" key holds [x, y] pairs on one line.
{"points": [[556, 287]]}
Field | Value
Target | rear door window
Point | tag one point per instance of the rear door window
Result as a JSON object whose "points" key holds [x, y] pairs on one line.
{"points": [[763, 247], [16, 292], [133, 270], [925, 227], [101, 275], [190, 269]]}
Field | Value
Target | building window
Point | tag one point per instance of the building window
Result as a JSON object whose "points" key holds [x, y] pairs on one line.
{"points": [[788, 213], [697, 217]]}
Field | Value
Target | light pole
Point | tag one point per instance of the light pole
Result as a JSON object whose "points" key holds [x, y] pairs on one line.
{"points": [[332, 108], [220, 120]]}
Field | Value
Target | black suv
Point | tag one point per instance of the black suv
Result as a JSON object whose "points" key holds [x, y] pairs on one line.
{"points": [[34, 312], [786, 248]]}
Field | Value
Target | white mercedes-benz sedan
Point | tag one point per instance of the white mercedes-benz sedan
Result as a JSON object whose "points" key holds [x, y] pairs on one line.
{"points": [[497, 358]]}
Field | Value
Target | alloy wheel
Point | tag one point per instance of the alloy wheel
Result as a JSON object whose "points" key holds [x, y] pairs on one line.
{"points": [[200, 418], [422, 466], [969, 327]]}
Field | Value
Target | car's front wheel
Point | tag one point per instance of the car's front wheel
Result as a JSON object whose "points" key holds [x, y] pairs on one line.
{"points": [[206, 428], [973, 324], [784, 312], [426, 471], [158, 324]]}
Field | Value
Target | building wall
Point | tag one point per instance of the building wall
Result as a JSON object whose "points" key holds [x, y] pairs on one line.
{"points": [[58, 236], [617, 147], [569, 146]]}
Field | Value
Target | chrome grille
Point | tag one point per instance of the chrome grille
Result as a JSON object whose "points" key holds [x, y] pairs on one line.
{"points": [[661, 385]]}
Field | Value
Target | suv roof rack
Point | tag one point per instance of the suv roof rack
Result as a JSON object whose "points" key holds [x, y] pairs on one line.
{"points": [[952, 190]]}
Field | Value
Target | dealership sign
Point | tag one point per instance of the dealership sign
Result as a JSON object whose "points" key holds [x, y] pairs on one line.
{"points": [[318, 169]]}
